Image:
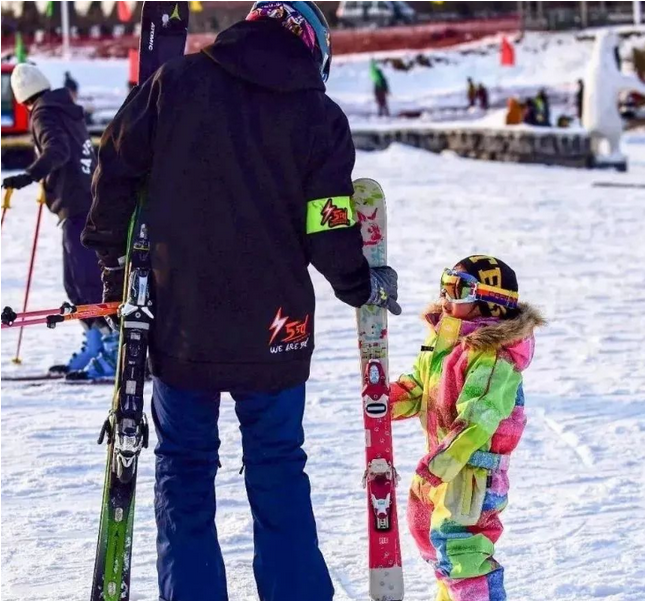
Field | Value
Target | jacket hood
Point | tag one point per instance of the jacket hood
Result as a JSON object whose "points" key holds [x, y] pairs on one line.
{"points": [[266, 54], [514, 336], [61, 100]]}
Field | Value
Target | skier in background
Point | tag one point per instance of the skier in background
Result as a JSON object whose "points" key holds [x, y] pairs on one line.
{"points": [[65, 163], [466, 386], [471, 92], [530, 114], [482, 95], [514, 115], [381, 89], [247, 167], [579, 98], [542, 104], [71, 85]]}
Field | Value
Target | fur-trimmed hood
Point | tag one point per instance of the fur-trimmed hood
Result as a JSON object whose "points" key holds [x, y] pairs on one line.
{"points": [[514, 336]]}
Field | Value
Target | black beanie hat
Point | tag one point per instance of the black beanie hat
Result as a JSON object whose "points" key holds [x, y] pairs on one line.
{"points": [[493, 272]]}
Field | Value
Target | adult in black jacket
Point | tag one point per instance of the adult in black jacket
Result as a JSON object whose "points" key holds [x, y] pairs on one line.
{"points": [[542, 104], [246, 166], [65, 163], [71, 85], [579, 98]]}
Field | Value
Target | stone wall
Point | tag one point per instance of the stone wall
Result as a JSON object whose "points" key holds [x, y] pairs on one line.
{"points": [[548, 146]]}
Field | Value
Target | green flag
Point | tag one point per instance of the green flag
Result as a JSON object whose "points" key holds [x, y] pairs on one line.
{"points": [[49, 11], [20, 50]]}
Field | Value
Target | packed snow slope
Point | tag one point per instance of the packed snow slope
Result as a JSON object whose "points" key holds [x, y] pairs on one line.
{"points": [[551, 60], [554, 61], [574, 525]]}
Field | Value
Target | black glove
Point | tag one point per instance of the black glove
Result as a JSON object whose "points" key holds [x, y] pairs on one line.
{"points": [[112, 274], [17, 181], [383, 284]]}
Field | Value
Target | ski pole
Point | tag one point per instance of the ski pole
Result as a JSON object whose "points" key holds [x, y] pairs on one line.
{"points": [[67, 311], [6, 203], [51, 321], [41, 202]]}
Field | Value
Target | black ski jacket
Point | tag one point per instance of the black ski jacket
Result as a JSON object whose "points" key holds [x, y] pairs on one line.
{"points": [[247, 169], [66, 159]]}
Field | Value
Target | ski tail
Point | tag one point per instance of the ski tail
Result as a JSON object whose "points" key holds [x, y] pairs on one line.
{"points": [[126, 431]]}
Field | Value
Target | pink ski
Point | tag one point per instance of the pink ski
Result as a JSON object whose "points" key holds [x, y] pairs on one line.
{"points": [[380, 478]]}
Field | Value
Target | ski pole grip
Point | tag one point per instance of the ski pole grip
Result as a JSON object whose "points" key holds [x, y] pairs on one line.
{"points": [[8, 316], [6, 201], [41, 196], [68, 308], [53, 320]]}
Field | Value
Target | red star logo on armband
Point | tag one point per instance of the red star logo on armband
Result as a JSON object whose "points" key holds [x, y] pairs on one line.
{"points": [[333, 216]]}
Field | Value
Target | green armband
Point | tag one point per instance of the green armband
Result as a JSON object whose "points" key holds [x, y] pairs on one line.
{"points": [[329, 213]]}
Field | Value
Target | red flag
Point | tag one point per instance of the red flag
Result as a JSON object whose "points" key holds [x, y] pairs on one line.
{"points": [[507, 54], [133, 64], [123, 12]]}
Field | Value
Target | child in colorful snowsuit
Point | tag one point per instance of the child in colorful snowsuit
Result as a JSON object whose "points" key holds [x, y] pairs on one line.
{"points": [[466, 388]]}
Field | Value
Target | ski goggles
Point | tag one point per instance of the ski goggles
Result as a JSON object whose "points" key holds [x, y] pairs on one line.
{"points": [[459, 287]]}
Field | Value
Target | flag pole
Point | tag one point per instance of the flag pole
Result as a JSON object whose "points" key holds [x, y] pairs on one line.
{"points": [[637, 12], [65, 28]]}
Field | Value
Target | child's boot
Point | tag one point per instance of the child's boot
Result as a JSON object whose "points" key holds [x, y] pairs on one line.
{"points": [[90, 348], [103, 367]]}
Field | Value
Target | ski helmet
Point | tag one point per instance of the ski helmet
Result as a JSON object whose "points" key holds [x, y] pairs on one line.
{"points": [[305, 20], [499, 294], [27, 81]]}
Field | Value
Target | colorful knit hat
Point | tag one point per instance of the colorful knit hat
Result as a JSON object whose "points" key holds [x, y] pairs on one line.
{"points": [[492, 272]]}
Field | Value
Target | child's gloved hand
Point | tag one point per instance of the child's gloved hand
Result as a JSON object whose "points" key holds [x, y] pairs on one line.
{"points": [[424, 472]]}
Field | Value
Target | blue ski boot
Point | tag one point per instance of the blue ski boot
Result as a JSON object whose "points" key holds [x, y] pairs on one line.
{"points": [[90, 348], [103, 367]]}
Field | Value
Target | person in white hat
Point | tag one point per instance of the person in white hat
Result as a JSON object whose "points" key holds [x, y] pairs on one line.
{"points": [[65, 163], [27, 83]]}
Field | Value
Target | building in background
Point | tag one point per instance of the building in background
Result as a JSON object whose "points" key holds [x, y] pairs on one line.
{"points": [[555, 15]]}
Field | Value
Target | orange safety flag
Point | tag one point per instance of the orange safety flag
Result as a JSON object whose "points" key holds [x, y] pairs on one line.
{"points": [[133, 66], [507, 53], [123, 12]]}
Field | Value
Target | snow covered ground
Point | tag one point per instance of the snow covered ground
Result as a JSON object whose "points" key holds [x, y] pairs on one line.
{"points": [[551, 60], [575, 524]]}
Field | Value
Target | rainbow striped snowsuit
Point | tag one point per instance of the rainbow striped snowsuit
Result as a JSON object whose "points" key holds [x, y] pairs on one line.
{"points": [[466, 388]]}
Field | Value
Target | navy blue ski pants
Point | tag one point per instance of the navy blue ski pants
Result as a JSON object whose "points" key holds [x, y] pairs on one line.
{"points": [[81, 272], [288, 565]]}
